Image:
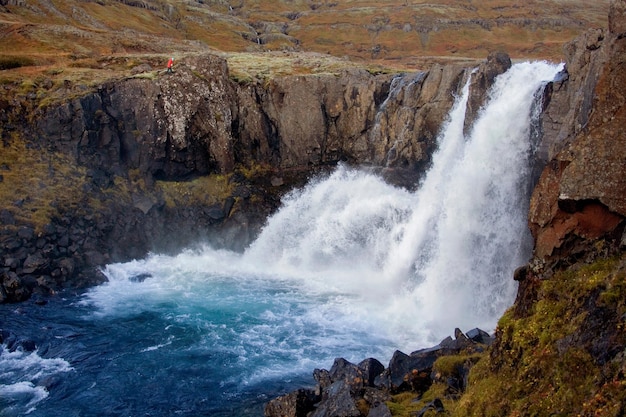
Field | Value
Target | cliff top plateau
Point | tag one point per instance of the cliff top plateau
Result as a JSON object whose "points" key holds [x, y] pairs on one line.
{"points": [[94, 40]]}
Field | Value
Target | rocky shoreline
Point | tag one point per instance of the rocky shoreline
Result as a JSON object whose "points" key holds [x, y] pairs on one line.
{"points": [[364, 389]]}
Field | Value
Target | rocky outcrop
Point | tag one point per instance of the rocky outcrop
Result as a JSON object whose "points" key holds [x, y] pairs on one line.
{"points": [[496, 64], [172, 127], [580, 196], [363, 389], [195, 122], [405, 129]]}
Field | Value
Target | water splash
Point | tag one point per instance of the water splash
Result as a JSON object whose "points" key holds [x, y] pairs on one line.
{"points": [[409, 267], [433, 260], [20, 373]]}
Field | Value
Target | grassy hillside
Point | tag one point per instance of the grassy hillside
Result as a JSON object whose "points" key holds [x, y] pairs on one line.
{"points": [[91, 35], [563, 357]]}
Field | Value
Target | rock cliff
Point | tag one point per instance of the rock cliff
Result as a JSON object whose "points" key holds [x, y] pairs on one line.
{"points": [[143, 139], [580, 196], [197, 121], [560, 349]]}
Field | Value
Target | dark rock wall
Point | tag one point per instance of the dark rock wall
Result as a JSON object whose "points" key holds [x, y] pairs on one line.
{"points": [[197, 121], [172, 127], [581, 195]]}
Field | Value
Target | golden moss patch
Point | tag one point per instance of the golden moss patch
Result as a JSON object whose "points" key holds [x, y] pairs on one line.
{"points": [[541, 365], [38, 185], [201, 191]]}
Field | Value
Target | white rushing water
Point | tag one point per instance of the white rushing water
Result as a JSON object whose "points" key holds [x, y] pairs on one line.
{"points": [[350, 255], [18, 370]]}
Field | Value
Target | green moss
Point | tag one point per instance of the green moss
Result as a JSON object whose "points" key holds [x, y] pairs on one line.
{"points": [[254, 170], [241, 78], [404, 404], [150, 75], [449, 365], [205, 190], [407, 404], [539, 366]]}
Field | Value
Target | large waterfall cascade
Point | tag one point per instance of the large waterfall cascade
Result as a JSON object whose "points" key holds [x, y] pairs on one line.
{"points": [[349, 266]]}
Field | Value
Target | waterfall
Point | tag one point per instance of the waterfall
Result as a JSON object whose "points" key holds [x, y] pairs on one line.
{"points": [[429, 261], [352, 265], [349, 266]]}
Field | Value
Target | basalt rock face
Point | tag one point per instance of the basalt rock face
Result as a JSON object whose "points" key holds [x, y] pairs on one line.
{"points": [[496, 64], [581, 195], [195, 122], [173, 127]]}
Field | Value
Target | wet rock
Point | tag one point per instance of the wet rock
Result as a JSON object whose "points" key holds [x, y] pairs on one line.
{"points": [[13, 288], [370, 368], [406, 125], [380, 410], [358, 390], [35, 263], [337, 401], [140, 277], [407, 370], [12, 342], [296, 404], [435, 405], [480, 336], [497, 63]]}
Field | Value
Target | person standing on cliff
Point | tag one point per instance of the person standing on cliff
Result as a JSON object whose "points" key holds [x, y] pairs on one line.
{"points": [[170, 64]]}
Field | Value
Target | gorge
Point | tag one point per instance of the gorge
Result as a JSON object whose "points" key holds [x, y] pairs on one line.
{"points": [[139, 154]]}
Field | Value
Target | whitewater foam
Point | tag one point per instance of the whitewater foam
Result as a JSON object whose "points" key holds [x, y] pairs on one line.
{"points": [[19, 373], [349, 259]]}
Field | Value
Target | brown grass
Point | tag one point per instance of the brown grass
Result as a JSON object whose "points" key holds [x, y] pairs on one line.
{"points": [[399, 30], [38, 186]]}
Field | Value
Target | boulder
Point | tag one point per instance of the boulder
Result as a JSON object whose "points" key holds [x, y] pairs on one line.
{"points": [[296, 404], [407, 371], [370, 368], [479, 336], [337, 402], [363, 389], [12, 288], [381, 410], [35, 263]]}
